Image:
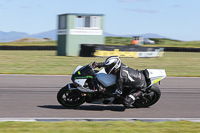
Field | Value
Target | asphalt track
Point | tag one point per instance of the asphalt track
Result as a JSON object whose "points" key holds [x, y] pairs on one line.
{"points": [[34, 96]]}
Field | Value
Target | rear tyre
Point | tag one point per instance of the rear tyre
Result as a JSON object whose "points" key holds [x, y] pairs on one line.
{"points": [[70, 98], [149, 99]]}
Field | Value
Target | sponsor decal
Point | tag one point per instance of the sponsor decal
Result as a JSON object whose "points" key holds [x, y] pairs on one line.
{"points": [[156, 80], [79, 73], [134, 54], [80, 32], [85, 32]]}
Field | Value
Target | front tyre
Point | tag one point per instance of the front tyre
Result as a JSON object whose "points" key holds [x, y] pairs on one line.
{"points": [[70, 98], [149, 98]]}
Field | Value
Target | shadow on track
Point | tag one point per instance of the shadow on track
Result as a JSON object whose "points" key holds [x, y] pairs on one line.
{"points": [[86, 107]]}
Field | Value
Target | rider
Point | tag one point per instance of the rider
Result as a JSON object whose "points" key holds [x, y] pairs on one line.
{"points": [[125, 76]]}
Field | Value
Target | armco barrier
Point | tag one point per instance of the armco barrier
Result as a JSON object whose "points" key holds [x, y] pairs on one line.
{"points": [[180, 49], [28, 47], [88, 50]]}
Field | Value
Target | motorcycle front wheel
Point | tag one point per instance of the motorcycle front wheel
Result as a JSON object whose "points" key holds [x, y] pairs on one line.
{"points": [[149, 99], [70, 98]]}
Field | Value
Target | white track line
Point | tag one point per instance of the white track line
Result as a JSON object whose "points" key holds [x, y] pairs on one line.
{"points": [[99, 119]]}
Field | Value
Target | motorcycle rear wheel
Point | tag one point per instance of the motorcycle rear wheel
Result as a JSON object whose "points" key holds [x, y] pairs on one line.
{"points": [[70, 98], [142, 103]]}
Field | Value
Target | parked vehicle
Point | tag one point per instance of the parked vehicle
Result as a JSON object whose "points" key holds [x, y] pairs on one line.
{"points": [[138, 40], [148, 41]]}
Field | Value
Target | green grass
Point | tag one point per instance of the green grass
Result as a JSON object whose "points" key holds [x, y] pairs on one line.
{"points": [[46, 62], [174, 43], [118, 40], [160, 42], [99, 127], [48, 43]]}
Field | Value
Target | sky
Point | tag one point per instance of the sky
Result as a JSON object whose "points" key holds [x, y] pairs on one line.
{"points": [[177, 19]]}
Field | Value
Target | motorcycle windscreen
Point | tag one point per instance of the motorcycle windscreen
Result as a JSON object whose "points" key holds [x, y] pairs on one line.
{"points": [[106, 79], [76, 69]]}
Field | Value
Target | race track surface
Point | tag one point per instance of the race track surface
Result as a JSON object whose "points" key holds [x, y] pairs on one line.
{"points": [[26, 96]]}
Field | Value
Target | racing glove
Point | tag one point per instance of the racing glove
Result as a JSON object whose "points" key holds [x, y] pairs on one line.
{"points": [[99, 65]]}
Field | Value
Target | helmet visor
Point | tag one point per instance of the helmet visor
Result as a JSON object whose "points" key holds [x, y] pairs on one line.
{"points": [[109, 68]]}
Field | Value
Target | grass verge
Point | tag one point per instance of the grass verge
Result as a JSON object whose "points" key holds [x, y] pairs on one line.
{"points": [[47, 43], [46, 62], [98, 127], [160, 42]]}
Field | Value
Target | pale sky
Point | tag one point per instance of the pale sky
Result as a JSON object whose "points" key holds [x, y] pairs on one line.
{"points": [[177, 19]]}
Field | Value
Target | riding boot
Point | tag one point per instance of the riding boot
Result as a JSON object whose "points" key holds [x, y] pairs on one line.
{"points": [[130, 99]]}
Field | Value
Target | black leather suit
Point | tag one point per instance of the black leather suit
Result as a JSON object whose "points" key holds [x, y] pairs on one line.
{"points": [[127, 76], [130, 77]]}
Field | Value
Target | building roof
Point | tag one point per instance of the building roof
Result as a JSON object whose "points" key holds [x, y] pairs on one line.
{"points": [[82, 14]]}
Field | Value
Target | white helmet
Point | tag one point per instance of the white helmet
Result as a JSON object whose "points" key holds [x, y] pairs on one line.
{"points": [[112, 63]]}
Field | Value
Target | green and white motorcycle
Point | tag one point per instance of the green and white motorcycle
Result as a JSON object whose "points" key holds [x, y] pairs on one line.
{"points": [[97, 87]]}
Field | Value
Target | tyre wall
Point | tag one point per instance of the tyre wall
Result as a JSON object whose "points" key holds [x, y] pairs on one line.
{"points": [[28, 47], [88, 50]]}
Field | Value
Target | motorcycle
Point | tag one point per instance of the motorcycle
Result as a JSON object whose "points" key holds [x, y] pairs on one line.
{"points": [[97, 87]]}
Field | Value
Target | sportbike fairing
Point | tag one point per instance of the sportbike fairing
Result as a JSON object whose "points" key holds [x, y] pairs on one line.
{"points": [[106, 80], [156, 75], [82, 73]]}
